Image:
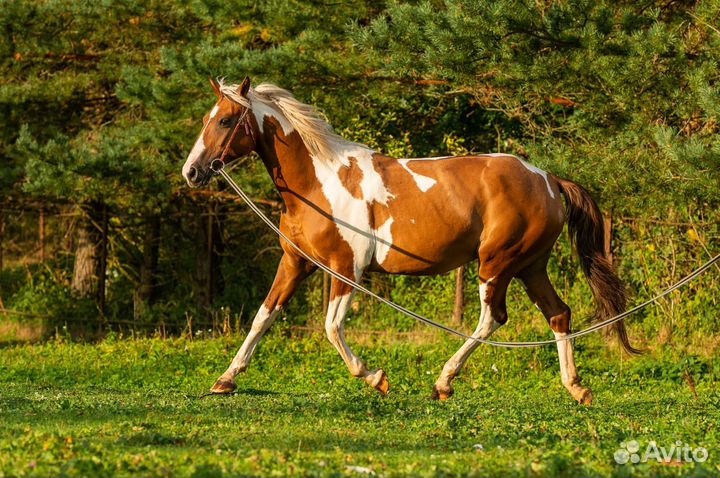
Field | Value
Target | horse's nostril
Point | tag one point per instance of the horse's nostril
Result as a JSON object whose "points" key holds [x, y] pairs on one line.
{"points": [[192, 173]]}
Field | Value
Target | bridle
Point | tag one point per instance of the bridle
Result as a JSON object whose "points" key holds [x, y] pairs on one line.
{"points": [[218, 164]]}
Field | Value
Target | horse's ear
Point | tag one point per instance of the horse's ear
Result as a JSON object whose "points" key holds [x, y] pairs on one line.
{"points": [[216, 87], [244, 87]]}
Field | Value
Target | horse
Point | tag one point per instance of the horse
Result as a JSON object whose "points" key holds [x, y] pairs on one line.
{"points": [[356, 211]]}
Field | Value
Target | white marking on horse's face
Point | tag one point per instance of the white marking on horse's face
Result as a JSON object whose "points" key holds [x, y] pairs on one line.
{"points": [[199, 147], [195, 154], [261, 110], [351, 215], [423, 183]]}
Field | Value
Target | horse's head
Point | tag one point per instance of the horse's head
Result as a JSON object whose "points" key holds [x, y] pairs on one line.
{"points": [[226, 136]]}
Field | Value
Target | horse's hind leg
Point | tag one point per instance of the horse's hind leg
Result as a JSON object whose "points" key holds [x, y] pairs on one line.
{"points": [[493, 314], [542, 293], [340, 297]]}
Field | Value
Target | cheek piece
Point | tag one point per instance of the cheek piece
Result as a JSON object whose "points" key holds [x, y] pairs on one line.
{"points": [[217, 164]]}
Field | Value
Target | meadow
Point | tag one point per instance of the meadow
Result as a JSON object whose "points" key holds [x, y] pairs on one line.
{"points": [[134, 407], [105, 252]]}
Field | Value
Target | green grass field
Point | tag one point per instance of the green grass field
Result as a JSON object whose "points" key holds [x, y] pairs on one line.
{"points": [[131, 408]]}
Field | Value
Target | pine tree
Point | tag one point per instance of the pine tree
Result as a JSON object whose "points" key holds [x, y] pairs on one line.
{"points": [[621, 96]]}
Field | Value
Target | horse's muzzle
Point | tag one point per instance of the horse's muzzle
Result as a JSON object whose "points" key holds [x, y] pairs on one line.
{"points": [[197, 177]]}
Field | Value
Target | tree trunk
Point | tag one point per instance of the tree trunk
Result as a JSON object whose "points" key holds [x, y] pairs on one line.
{"points": [[459, 296], [146, 289], [218, 280], [41, 228], [91, 253], [2, 239], [87, 253], [103, 259], [325, 292], [202, 263], [208, 259]]}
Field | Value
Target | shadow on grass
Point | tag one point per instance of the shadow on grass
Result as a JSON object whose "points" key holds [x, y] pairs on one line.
{"points": [[253, 392]]}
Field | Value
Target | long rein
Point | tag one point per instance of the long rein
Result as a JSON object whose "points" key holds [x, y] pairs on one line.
{"points": [[218, 166]]}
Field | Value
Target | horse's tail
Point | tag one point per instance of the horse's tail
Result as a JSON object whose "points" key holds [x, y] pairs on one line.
{"points": [[587, 235]]}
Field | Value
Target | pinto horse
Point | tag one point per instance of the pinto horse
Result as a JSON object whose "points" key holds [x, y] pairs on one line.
{"points": [[356, 210]]}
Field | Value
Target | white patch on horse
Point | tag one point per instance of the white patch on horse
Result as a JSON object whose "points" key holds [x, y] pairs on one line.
{"points": [[432, 158], [195, 153], [261, 110], [423, 183], [199, 147], [487, 324], [542, 173], [262, 321], [485, 328], [351, 215], [567, 362], [383, 235], [335, 330]]}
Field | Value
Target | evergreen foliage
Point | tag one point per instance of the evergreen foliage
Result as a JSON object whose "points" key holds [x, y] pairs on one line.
{"points": [[100, 103], [621, 96]]}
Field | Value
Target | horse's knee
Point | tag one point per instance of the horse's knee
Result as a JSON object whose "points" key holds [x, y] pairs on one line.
{"points": [[489, 325], [332, 330]]}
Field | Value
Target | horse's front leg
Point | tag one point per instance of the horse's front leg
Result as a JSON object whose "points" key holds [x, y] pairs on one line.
{"points": [[291, 272], [340, 296]]}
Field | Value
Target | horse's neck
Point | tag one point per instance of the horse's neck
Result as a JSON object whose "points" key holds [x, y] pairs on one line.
{"points": [[288, 162]]}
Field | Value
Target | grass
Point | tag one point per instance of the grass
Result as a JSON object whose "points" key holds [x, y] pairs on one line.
{"points": [[131, 408]]}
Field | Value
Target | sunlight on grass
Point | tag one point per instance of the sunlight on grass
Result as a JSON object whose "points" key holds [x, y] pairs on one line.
{"points": [[132, 408]]}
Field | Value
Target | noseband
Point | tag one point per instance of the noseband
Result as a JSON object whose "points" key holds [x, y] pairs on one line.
{"points": [[219, 163]]}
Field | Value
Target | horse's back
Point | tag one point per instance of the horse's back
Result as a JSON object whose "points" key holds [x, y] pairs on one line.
{"points": [[444, 209]]}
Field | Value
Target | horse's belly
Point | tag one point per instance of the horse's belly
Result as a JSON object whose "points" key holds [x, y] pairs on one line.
{"points": [[435, 253]]}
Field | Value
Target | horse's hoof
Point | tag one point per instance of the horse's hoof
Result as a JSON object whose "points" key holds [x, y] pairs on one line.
{"points": [[444, 394], [223, 386], [378, 380], [585, 398], [384, 385]]}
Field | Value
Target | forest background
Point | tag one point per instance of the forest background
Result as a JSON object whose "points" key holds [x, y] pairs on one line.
{"points": [[100, 103]]}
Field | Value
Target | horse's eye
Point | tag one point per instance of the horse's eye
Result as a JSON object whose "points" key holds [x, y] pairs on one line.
{"points": [[225, 122]]}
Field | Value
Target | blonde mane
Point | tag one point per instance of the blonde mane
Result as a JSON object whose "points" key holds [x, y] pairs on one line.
{"points": [[319, 138]]}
